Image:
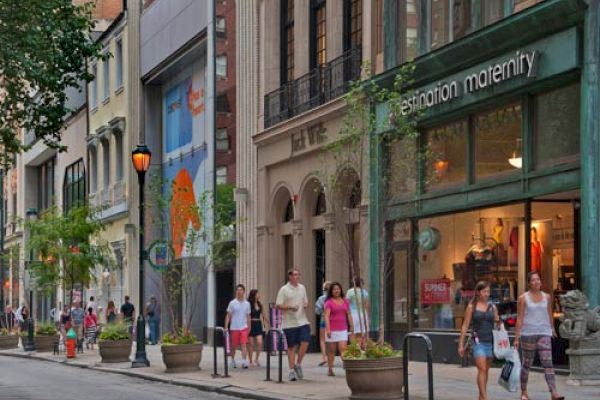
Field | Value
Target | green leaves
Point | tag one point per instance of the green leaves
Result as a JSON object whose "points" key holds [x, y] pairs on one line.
{"points": [[44, 47], [66, 248]]}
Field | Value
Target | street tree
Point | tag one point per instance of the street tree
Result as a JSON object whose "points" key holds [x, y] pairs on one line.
{"points": [[207, 223], [66, 248], [44, 47], [357, 153]]}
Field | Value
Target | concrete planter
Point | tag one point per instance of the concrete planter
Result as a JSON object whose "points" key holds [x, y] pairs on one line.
{"points": [[114, 351], [44, 343], [584, 357], [375, 379], [182, 357], [9, 342]]}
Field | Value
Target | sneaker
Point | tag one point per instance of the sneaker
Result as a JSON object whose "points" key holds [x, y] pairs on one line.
{"points": [[292, 376], [298, 370], [233, 364], [244, 364]]}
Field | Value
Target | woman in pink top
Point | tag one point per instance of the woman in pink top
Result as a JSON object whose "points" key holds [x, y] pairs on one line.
{"points": [[338, 321]]}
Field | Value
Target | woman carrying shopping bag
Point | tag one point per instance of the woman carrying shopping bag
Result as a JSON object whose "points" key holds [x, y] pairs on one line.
{"points": [[483, 315], [534, 332]]}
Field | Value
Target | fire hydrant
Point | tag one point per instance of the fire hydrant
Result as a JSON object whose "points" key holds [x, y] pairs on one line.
{"points": [[71, 343]]}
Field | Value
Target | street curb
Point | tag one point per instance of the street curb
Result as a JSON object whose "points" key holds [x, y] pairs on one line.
{"points": [[224, 389]]}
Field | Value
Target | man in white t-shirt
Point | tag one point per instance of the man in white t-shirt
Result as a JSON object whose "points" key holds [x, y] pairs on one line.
{"points": [[292, 301], [237, 321]]}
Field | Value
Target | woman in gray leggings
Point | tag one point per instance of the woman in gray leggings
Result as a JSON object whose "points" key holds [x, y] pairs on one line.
{"points": [[534, 332]]}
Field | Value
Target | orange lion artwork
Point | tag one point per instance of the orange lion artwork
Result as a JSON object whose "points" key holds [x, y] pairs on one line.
{"points": [[183, 210]]}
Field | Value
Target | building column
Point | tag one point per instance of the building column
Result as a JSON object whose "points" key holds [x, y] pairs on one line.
{"points": [[375, 222], [590, 156]]}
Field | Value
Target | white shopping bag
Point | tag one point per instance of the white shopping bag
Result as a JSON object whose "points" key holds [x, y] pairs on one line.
{"points": [[501, 343], [510, 376], [147, 331]]}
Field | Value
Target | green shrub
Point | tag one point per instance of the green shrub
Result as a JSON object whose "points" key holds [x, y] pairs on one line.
{"points": [[118, 331], [372, 350], [4, 332], [45, 329], [181, 336]]}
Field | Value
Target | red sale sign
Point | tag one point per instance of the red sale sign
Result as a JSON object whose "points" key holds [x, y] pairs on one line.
{"points": [[435, 291]]}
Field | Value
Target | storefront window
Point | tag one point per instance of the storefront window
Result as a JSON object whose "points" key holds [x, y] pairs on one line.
{"points": [[440, 21], [409, 37], [498, 141], [557, 126], [523, 4], [447, 154], [493, 10], [401, 177], [458, 250]]}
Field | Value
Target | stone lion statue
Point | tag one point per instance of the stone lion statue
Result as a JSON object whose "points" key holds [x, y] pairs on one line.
{"points": [[578, 322]]}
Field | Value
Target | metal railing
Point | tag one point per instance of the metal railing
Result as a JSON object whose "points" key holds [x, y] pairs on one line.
{"points": [[415, 335], [279, 333], [313, 89], [225, 366]]}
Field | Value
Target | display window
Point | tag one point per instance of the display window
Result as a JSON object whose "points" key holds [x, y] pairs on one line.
{"points": [[557, 126], [446, 154], [486, 244]]}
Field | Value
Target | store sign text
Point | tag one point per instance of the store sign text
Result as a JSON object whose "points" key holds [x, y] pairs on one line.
{"points": [[522, 63], [306, 138]]}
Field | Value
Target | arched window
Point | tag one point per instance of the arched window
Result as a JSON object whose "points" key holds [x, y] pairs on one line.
{"points": [[74, 185], [321, 205], [289, 212], [355, 194]]}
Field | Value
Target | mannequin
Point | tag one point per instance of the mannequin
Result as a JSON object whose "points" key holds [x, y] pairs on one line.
{"points": [[536, 251], [497, 232]]}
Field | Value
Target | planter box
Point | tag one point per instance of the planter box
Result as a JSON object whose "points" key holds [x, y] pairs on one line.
{"points": [[182, 357], [376, 379], [115, 351], [44, 343], [9, 342]]}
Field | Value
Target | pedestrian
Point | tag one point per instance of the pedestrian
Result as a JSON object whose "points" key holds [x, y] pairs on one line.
{"points": [[483, 315], [8, 321], [359, 304], [152, 312], [237, 322], [337, 323], [91, 327], [92, 303], [111, 312], [534, 333], [77, 320], [258, 321], [319, 310], [65, 321], [128, 314], [23, 318], [292, 301]]}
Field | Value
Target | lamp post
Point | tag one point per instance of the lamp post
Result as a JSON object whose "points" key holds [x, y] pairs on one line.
{"points": [[30, 214], [140, 157]]}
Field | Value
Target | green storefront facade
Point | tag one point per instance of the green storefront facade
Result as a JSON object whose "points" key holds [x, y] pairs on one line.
{"points": [[506, 166]]}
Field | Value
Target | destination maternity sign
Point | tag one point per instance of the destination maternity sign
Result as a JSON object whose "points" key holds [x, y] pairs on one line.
{"points": [[543, 59]]}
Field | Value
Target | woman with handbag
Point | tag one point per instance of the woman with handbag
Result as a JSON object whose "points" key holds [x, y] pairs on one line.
{"points": [[534, 333], [257, 327], [338, 322], [483, 315]]}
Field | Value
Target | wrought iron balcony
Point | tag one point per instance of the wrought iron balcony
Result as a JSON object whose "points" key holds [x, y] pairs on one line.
{"points": [[318, 87]]}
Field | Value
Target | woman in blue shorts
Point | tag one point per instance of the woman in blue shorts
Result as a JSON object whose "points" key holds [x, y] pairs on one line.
{"points": [[483, 315]]}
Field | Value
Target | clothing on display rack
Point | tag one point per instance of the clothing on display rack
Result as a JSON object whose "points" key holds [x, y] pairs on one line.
{"points": [[478, 261], [536, 256], [513, 242]]}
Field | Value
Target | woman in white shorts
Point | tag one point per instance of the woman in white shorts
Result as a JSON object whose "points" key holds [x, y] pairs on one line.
{"points": [[338, 321], [359, 300]]}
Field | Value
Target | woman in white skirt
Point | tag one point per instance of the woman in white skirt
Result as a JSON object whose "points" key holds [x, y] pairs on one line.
{"points": [[359, 301], [338, 321]]}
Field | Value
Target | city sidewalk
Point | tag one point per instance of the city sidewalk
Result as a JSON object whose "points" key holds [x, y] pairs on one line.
{"points": [[451, 382]]}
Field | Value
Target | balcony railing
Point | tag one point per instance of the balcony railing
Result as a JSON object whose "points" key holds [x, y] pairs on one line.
{"points": [[319, 86]]}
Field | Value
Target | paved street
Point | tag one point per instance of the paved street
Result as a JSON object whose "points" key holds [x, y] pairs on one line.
{"points": [[37, 380]]}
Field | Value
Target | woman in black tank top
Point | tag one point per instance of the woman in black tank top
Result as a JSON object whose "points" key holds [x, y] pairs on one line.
{"points": [[483, 317], [257, 327]]}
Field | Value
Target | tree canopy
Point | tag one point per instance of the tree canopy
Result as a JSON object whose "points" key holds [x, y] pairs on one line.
{"points": [[44, 47], [67, 248]]}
